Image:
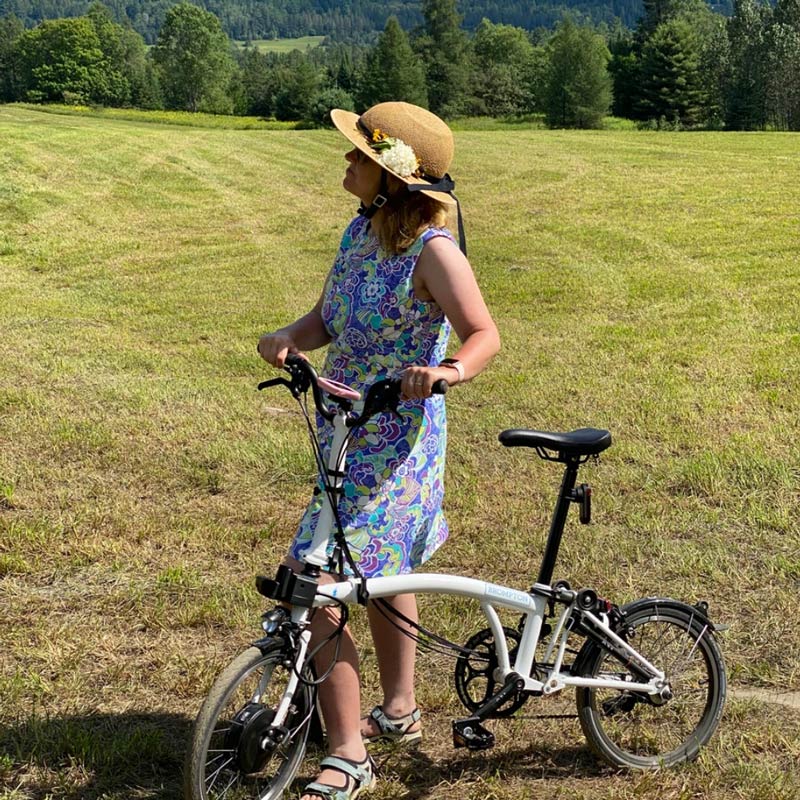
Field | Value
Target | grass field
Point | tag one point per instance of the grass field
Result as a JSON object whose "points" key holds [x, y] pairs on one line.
{"points": [[301, 43], [644, 282]]}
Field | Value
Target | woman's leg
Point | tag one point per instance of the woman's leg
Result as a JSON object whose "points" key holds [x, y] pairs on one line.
{"points": [[339, 694], [396, 653]]}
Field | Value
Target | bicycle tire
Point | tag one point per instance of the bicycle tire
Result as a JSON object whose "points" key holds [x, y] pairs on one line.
{"points": [[626, 729], [223, 759]]}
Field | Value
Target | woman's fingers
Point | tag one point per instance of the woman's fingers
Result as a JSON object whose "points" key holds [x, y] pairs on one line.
{"points": [[274, 348], [417, 382]]}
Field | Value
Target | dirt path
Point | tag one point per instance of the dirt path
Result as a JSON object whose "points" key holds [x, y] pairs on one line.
{"points": [[789, 699]]}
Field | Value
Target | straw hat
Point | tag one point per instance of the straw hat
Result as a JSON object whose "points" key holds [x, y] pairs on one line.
{"points": [[409, 142]]}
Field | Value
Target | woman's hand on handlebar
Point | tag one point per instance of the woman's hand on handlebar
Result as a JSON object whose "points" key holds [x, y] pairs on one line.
{"points": [[274, 347], [417, 382]]}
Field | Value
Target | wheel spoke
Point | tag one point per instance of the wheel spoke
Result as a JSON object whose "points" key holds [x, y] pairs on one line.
{"points": [[228, 786], [211, 779], [631, 729], [226, 759]]}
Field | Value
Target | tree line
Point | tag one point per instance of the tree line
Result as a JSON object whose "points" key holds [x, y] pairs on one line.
{"points": [[682, 66], [343, 20]]}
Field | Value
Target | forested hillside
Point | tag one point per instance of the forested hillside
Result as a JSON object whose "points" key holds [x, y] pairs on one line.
{"points": [[345, 20]]}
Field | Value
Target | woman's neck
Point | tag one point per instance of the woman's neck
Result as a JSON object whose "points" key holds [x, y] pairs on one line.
{"points": [[376, 223]]}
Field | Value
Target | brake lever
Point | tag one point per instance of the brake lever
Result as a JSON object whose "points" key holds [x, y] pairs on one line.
{"points": [[274, 382], [297, 385], [383, 395]]}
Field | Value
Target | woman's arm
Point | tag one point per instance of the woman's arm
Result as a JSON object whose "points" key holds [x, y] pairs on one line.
{"points": [[444, 275], [306, 333]]}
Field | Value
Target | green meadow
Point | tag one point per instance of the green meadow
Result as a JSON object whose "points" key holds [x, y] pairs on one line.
{"points": [[302, 43], [644, 282]]}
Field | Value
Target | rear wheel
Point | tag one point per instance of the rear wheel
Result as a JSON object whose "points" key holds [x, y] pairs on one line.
{"points": [[227, 759], [633, 730]]}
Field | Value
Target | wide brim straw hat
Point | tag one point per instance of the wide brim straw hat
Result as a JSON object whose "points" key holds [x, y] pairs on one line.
{"points": [[429, 137], [412, 144]]}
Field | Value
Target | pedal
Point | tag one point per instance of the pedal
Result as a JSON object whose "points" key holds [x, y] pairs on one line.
{"points": [[472, 735]]}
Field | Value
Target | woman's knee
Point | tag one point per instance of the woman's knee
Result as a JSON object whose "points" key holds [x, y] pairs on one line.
{"points": [[326, 619]]}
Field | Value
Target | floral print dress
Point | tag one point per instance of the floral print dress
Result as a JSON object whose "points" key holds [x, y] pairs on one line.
{"points": [[391, 509]]}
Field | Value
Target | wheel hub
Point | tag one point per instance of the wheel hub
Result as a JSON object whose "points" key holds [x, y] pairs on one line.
{"points": [[247, 735]]}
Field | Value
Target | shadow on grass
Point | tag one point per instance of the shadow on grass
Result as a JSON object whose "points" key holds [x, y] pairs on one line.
{"points": [[421, 775], [94, 756], [139, 755]]}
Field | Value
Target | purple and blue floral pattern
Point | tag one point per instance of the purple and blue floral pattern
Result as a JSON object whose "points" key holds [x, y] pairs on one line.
{"points": [[391, 510]]}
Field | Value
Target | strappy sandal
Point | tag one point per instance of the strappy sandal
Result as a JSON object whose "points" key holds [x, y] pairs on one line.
{"points": [[394, 729], [359, 775]]}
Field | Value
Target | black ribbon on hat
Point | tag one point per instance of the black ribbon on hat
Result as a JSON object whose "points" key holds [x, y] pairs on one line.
{"points": [[445, 185]]}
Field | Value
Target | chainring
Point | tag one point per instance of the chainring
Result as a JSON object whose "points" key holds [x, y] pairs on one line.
{"points": [[475, 670]]}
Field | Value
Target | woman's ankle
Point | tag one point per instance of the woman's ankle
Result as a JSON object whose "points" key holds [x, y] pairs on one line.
{"points": [[399, 708], [355, 752]]}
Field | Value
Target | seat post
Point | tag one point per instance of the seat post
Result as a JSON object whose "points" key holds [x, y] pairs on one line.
{"points": [[557, 524]]}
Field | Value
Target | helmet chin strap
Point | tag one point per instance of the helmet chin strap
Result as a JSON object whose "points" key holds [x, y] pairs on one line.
{"points": [[379, 200]]}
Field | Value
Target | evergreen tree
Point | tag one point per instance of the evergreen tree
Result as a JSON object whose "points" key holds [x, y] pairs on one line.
{"points": [[344, 64], [579, 86], [624, 70], [110, 35], [258, 80], [658, 11], [672, 87], [140, 71], [327, 99], [11, 28], [787, 12], [392, 71], [745, 81], [714, 67], [783, 67], [299, 85], [194, 61], [445, 51]]}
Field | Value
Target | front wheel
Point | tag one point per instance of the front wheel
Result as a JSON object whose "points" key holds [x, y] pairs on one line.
{"points": [[227, 757], [632, 730]]}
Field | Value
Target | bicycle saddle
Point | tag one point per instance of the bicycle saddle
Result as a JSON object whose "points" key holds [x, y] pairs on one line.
{"points": [[583, 442]]}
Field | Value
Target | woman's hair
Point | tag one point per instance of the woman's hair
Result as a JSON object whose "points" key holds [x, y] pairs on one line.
{"points": [[406, 215]]}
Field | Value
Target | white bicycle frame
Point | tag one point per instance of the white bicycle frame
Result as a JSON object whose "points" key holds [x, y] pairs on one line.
{"points": [[489, 596]]}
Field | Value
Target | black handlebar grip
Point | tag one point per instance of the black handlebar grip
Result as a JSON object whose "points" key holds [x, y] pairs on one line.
{"points": [[440, 387]]}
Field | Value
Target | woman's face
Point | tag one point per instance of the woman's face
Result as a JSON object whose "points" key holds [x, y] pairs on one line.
{"points": [[363, 176]]}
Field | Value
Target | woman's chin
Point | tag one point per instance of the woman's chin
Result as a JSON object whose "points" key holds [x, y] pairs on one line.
{"points": [[348, 187]]}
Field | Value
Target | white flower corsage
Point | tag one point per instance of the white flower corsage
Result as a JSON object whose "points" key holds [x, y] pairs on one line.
{"points": [[395, 154]]}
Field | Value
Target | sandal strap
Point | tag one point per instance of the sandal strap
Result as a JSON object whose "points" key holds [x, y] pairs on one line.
{"points": [[361, 774], [360, 771], [327, 792], [396, 726]]}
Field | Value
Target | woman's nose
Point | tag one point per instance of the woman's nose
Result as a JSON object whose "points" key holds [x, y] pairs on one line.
{"points": [[352, 156]]}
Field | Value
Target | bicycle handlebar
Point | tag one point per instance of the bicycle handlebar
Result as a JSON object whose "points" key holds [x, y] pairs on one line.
{"points": [[381, 396]]}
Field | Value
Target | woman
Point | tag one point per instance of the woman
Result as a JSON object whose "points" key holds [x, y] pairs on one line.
{"points": [[397, 285]]}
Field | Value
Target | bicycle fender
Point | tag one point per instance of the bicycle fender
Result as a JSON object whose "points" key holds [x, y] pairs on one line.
{"points": [[270, 642], [700, 612]]}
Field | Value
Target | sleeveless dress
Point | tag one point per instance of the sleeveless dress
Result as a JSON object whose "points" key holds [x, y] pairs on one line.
{"points": [[391, 509]]}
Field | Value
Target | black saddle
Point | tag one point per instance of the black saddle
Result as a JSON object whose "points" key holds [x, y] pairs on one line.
{"points": [[575, 444]]}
